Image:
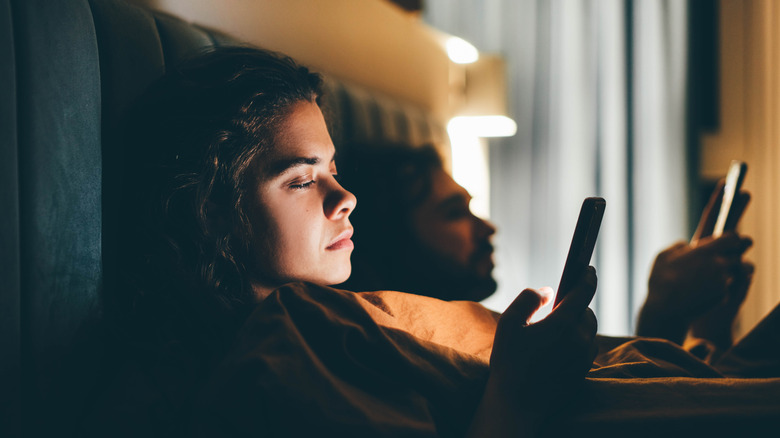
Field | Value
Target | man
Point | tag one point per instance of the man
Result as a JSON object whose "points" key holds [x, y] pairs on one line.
{"points": [[414, 230], [416, 233]]}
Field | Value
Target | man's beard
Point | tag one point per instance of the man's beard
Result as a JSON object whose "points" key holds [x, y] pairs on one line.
{"points": [[428, 273]]}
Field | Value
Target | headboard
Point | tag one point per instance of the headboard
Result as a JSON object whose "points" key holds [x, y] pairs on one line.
{"points": [[69, 68]]}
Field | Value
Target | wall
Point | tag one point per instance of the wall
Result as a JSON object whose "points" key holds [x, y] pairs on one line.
{"points": [[750, 131], [368, 42]]}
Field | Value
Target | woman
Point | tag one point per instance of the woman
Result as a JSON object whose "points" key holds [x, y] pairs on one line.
{"points": [[235, 174]]}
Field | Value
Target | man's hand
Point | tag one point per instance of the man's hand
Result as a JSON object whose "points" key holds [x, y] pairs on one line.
{"points": [[710, 213], [687, 280], [699, 286]]}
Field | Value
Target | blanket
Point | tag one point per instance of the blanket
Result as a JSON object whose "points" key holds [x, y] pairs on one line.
{"points": [[312, 360]]}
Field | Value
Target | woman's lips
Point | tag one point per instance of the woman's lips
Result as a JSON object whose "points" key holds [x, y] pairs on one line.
{"points": [[342, 241]]}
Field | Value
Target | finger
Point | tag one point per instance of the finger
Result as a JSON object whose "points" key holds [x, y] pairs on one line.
{"points": [[710, 213], [547, 294], [577, 300], [672, 250], [738, 208], [728, 258], [728, 243], [583, 331], [525, 305], [579, 358], [592, 346], [738, 289], [591, 324], [592, 354]]}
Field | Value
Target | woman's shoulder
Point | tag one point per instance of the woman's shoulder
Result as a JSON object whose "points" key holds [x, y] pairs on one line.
{"points": [[465, 326], [336, 357]]}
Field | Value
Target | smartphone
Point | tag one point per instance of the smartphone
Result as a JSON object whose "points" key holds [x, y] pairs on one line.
{"points": [[734, 178], [582, 244]]}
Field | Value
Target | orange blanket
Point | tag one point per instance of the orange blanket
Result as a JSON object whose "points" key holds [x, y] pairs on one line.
{"points": [[314, 361]]}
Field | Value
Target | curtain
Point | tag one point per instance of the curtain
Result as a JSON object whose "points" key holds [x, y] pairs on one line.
{"points": [[598, 91]]}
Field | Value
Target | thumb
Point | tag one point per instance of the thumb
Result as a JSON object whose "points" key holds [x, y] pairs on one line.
{"points": [[526, 304]]}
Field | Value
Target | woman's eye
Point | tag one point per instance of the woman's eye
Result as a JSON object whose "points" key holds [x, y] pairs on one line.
{"points": [[305, 185]]}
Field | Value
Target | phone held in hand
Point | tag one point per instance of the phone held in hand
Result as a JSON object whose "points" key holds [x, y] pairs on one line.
{"points": [[582, 244], [734, 179]]}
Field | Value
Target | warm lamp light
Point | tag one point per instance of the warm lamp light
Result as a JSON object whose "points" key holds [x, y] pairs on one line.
{"points": [[481, 101], [481, 126], [461, 51]]}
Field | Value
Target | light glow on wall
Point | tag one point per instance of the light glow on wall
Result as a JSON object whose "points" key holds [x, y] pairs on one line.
{"points": [[470, 170]]}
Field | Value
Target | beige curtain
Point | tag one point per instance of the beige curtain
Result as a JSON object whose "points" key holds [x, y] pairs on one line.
{"points": [[597, 89]]}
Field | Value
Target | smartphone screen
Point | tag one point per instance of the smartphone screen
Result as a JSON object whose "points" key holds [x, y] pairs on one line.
{"points": [[582, 244], [734, 178]]}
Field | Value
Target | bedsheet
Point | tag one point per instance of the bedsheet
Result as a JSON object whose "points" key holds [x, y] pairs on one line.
{"points": [[313, 360]]}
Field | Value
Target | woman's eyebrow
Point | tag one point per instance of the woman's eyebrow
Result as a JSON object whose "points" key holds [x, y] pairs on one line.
{"points": [[286, 164]]}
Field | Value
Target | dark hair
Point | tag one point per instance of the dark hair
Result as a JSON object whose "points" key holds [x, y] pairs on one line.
{"points": [[194, 138], [390, 181]]}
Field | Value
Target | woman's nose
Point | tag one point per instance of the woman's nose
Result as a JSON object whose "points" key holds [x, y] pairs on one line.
{"points": [[339, 202]]}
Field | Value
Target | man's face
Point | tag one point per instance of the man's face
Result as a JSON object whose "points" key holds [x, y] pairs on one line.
{"points": [[300, 213], [459, 240]]}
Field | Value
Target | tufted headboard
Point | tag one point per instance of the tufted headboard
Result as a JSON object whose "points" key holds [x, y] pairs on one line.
{"points": [[68, 69]]}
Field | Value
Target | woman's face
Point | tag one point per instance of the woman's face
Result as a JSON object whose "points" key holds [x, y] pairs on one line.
{"points": [[300, 213]]}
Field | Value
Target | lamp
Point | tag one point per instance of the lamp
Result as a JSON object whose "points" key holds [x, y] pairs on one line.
{"points": [[480, 107], [461, 51], [478, 103]]}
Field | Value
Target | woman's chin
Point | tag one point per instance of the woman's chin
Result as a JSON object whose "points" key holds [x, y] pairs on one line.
{"points": [[340, 276]]}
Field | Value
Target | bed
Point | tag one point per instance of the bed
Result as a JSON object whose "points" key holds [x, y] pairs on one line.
{"points": [[69, 69], [426, 371]]}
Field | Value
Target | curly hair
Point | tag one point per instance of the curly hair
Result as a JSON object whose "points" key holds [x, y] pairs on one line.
{"points": [[193, 139]]}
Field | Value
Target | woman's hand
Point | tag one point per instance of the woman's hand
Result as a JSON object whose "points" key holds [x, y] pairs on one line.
{"points": [[544, 359], [536, 367]]}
